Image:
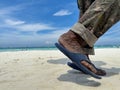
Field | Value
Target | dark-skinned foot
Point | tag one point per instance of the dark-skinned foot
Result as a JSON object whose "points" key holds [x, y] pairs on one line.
{"points": [[99, 71], [95, 70], [73, 43]]}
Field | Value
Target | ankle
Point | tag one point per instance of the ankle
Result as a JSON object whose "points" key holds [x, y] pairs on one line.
{"points": [[80, 40]]}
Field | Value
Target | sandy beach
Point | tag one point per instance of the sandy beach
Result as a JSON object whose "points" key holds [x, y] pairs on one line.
{"points": [[47, 70]]}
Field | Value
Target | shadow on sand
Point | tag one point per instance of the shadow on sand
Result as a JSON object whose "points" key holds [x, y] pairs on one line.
{"points": [[80, 78]]}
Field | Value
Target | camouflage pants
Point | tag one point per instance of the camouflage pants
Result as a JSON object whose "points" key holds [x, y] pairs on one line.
{"points": [[96, 17]]}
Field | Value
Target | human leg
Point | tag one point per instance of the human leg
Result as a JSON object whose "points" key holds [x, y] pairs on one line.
{"points": [[83, 33], [106, 19], [83, 5]]}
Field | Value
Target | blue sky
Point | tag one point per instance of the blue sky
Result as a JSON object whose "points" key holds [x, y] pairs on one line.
{"points": [[30, 23]]}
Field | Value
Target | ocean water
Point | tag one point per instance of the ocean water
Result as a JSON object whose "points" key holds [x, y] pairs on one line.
{"points": [[46, 48], [27, 49]]}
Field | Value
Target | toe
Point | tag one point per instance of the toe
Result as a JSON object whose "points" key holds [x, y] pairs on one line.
{"points": [[101, 72], [89, 66]]}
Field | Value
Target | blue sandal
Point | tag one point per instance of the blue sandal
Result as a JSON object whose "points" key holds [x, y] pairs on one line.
{"points": [[73, 66], [76, 58]]}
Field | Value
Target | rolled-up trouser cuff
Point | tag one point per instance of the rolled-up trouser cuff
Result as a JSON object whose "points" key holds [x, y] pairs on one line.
{"points": [[89, 51], [83, 32]]}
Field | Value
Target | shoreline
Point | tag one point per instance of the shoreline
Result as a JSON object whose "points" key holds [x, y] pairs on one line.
{"points": [[43, 49]]}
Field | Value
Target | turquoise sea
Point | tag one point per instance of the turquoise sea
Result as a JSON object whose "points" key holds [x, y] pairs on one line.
{"points": [[45, 48], [27, 49]]}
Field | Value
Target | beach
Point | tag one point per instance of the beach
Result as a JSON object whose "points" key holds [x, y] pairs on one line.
{"points": [[47, 70]]}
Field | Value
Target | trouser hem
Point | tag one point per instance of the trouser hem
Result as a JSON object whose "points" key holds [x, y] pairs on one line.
{"points": [[84, 33]]}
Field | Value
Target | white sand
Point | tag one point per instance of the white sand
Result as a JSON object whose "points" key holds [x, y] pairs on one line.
{"points": [[47, 70]]}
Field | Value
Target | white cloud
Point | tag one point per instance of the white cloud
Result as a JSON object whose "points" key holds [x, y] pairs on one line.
{"points": [[24, 26], [14, 22], [62, 13], [34, 27]]}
